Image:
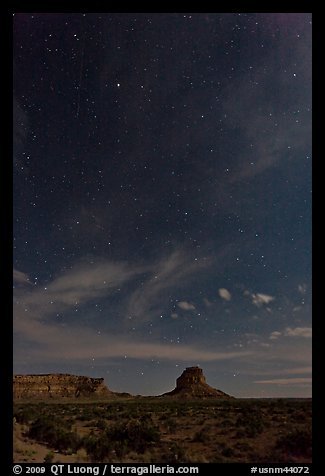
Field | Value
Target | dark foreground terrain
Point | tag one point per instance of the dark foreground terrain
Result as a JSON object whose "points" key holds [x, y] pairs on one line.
{"points": [[154, 430]]}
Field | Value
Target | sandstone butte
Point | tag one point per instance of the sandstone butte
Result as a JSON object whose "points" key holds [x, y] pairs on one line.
{"points": [[191, 384], [58, 385]]}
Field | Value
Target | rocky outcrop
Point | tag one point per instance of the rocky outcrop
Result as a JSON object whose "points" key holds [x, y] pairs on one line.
{"points": [[58, 385], [192, 384]]}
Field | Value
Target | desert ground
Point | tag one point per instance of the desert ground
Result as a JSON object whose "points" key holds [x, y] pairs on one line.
{"points": [[163, 430]]}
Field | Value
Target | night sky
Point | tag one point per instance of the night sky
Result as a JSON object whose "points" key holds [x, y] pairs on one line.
{"points": [[162, 199]]}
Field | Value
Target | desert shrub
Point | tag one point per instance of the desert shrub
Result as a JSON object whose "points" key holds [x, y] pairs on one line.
{"points": [[297, 442], [90, 424], [201, 436], [86, 415], [175, 454], [171, 424], [243, 446], [227, 452], [226, 423], [49, 457], [163, 416], [250, 423], [121, 448], [121, 438], [134, 435], [299, 416], [44, 429], [101, 424], [25, 414], [54, 432], [97, 447], [67, 441]]}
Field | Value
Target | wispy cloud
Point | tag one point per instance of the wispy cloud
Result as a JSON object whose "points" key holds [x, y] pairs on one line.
{"points": [[286, 381], [84, 282], [207, 302], [77, 286], [302, 288], [298, 332], [275, 335], [52, 340], [87, 281], [256, 110], [186, 306], [224, 294], [288, 371], [279, 358], [20, 278], [259, 299], [56, 344], [292, 332], [169, 272]]}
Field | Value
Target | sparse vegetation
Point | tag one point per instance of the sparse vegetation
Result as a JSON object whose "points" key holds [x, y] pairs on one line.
{"points": [[250, 424], [165, 431], [296, 442], [49, 457], [97, 447], [134, 435], [201, 436], [55, 432]]}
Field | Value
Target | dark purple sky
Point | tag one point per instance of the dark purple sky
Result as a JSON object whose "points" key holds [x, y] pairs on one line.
{"points": [[162, 198]]}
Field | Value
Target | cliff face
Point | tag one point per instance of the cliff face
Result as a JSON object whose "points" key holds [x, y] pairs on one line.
{"points": [[192, 384], [58, 385]]}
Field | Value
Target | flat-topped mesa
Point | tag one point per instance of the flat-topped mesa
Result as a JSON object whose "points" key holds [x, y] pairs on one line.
{"points": [[58, 385], [190, 376], [192, 384]]}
